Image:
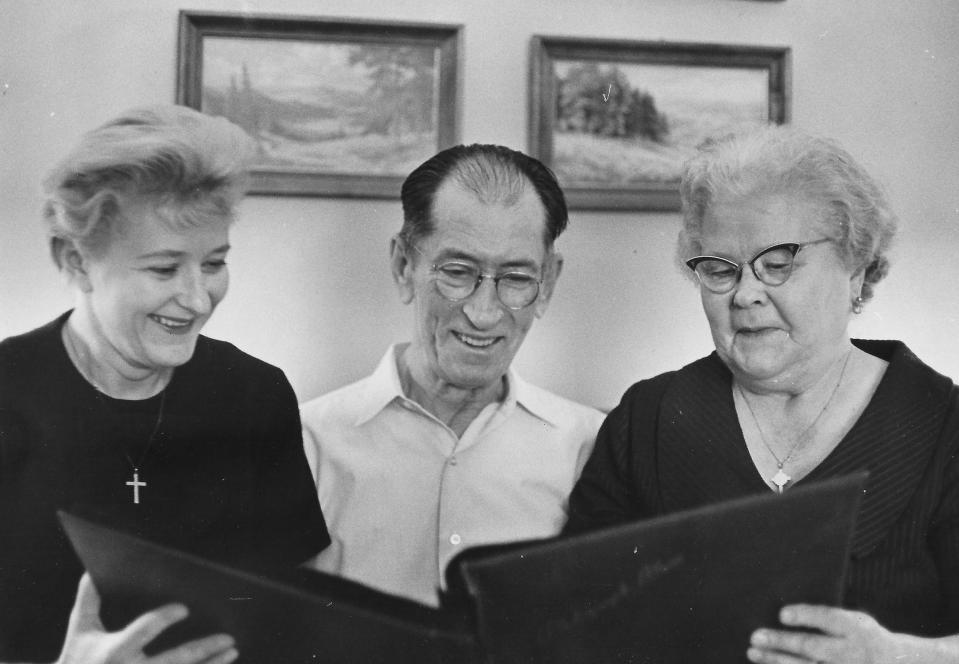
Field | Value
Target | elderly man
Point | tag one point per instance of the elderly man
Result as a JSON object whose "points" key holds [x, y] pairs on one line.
{"points": [[444, 447]]}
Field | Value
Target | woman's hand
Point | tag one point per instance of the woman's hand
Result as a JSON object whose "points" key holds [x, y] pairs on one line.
{"points": [[88, 642], [848, 637]]}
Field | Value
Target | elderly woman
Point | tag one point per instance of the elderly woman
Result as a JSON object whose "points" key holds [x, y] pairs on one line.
{"points": [[120, 406], [788, 237]]}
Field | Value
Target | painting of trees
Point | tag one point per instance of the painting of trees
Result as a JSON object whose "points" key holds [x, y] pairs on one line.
{"points": [[337, 107], [400, 90], [600, 100], [624, 123], [343, 107], [616, 119]]}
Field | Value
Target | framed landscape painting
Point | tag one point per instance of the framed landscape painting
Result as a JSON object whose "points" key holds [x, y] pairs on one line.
{"points": [[615, 120], [336, 107]]}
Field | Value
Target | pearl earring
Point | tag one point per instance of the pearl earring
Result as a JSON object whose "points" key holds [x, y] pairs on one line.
{"points": [[857, 305]]}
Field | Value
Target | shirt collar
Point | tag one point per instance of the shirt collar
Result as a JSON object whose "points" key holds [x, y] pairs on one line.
{"points": [[532, 399], [383, 387]]}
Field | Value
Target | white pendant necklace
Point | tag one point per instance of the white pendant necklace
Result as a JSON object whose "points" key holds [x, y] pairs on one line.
{"points": [[781, 478], [135, 483]]}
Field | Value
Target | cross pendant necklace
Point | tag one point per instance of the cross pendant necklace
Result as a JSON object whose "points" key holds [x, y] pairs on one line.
{"points": [[781, 478], [136, 484], [81, 361]]}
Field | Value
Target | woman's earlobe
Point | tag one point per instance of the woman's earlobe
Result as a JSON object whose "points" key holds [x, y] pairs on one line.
{"points": [[856, 284], [855, 291], [72, 262]]}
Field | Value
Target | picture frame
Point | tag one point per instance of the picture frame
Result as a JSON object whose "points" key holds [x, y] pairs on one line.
{"points": [[337, 107], [615, 119]]}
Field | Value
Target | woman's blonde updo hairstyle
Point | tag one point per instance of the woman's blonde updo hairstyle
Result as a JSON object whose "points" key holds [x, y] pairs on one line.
{"points": [[190, 168], [782, 160]]}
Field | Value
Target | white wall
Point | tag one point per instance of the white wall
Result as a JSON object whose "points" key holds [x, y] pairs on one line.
{"points": [[311, 290]]}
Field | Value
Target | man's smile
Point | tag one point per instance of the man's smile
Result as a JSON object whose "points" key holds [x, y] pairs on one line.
{"points": [[477, 342]]}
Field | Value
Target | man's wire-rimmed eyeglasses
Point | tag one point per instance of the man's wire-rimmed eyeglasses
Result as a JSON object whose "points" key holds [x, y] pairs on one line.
{"points": [[772, 266], [456, 281]]}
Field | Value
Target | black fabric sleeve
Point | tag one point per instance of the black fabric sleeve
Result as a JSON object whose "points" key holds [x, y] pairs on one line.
{"points": [[290, 527], [616, 481], [944, 535], [13, 443]]}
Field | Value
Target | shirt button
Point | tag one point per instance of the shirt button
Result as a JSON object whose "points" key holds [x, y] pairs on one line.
{"points": [[455, 539], [452, 461]]}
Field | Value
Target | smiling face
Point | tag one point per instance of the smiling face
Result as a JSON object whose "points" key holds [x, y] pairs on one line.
{"points": [[469, 344], [777, 336], [152, 289]]}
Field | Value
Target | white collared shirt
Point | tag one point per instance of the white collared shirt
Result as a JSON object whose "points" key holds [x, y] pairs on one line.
{"points": [[402, 494]]}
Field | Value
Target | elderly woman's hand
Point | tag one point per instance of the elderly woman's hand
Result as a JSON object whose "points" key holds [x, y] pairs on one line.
{"points": [[88, 642], [847, 637]]}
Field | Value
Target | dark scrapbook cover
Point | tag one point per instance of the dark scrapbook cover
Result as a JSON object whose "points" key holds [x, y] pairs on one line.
{"points": [[689, 587], [686, 588], [302, 617]]}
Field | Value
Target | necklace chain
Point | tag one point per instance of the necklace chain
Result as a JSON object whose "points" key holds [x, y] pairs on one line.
{"points": [[100, 393], [780, 479], [136, 465]]}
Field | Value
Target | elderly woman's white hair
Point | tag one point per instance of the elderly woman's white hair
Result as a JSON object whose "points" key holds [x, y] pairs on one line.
{"points": [[782, 160], [189, 167]]}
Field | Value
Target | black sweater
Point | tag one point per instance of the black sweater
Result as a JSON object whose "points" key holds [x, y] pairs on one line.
{"points": [[226, 476], [674, 443]]}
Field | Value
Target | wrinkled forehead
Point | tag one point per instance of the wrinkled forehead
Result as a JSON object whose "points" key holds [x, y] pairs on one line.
{"points": [[490, 229], [744, 225]]}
